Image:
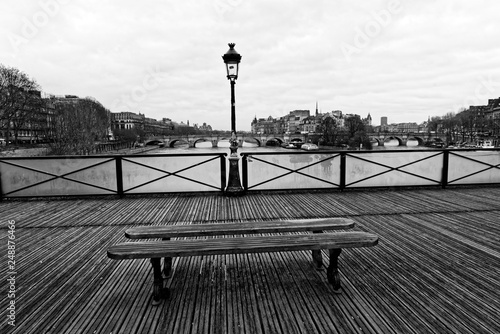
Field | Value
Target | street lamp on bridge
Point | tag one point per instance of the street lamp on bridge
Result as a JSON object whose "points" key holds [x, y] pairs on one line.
{"points": [[232, 60]]}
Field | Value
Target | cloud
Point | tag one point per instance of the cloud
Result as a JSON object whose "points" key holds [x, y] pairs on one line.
{"points": [[424, 59]]}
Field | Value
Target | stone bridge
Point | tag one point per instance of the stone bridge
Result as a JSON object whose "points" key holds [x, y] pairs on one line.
{"points": [[404, 137], [192, 140], [264, 140]]}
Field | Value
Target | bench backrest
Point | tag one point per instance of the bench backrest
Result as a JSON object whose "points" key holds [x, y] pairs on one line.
{"points": [[195, 230]]}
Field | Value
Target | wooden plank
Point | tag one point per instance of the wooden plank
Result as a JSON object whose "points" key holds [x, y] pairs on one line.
{"points": [[418, 279], [248, 304], [201, 315], [269, 321], [325, 320], [285, 317], [195, 230], [424, 280], [235, 314], [219, 302], [180, 308], [252, 244], [290, 287], [55, 272]]}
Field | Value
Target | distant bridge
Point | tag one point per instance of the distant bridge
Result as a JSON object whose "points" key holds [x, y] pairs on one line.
{"points": [[192, 140], [404, 137], [263, 140]]}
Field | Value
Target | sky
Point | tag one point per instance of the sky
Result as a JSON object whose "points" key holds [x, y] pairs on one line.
{"points": [[406, 60]]}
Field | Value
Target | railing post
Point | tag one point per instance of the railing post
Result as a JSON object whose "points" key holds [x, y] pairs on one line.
{"points": [[119, 177], [244, 170], [446, 166], [223, 172], [342, 170], [1, 191]]}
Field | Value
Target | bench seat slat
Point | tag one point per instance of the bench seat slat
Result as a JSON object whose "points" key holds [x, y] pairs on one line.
{"points": [[194, 230], [238, 245]]}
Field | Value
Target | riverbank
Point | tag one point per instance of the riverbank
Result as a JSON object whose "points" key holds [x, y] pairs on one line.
{"points": [[43, 151], [23, 152]]}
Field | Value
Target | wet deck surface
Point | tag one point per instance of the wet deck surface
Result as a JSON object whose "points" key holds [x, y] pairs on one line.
{"points": [[436, 268]]}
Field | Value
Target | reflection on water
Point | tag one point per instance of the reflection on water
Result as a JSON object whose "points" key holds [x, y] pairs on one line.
{"points": [[412, 143], [223, 147], [206, 147]]}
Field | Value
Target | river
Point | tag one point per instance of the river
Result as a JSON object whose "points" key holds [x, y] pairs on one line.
{"points": [[206, 147]]}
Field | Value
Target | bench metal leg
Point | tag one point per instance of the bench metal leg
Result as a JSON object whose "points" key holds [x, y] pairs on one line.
{"points": [[158, 291], [316, 255], [167, 267], [317, 258], [333, 272], [167, 264]]}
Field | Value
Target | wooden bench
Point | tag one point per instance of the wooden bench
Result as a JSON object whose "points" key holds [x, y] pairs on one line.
{"points": [[166, 232], [168, 248]]}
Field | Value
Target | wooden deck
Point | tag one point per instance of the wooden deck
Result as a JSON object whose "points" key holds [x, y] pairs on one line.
{"points": [[436, 268]]}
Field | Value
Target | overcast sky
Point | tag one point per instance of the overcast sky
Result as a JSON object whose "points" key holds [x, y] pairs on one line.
{"points": [[406, 60]]}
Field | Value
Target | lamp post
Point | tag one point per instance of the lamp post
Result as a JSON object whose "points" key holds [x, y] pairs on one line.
{"points": [[232, 61]]}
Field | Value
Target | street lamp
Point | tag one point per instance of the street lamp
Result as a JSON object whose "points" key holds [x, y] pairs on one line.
{"points": [[232, 61]]}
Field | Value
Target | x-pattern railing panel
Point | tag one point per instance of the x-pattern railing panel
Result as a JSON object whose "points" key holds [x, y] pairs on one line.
{"points": [[474, 167], [293, 171], [151, 174], [58, 176], [393, 169]]}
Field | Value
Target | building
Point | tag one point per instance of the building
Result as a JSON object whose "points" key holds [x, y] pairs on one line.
{"points": [[300, 121], [152, 127], [264, 126], [492, 114], [30, 124], [368, 120], [204, 127], [127, 120], [407, 127], [310, 124], [295, 119]]}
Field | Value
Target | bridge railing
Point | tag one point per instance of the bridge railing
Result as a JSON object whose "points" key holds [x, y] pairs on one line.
{"points": [[112, 175], [207, 172], [369, 169]]}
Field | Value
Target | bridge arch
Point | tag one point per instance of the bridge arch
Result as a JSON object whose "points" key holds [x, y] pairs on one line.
{"points": [[420, 140], [153, 142], [172, 143], [400, 141], [201, 140], [279, 141], [379, 141], [296, 138], [253, 140]]}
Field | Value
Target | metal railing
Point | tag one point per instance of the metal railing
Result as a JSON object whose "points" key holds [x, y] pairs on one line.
{"points": [[207, 172], [112, 175], [368, 169]]}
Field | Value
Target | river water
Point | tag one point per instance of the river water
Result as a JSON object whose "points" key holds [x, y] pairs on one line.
{"points": [[206, 147]]}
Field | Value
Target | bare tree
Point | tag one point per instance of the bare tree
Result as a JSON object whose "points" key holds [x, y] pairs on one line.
{"points": [[77, 126], [450, 123], [20, 101], [433, 125]]}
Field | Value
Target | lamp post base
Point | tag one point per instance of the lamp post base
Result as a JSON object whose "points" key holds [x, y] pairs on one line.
{"points": [[234, 192], [234, 187]]}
